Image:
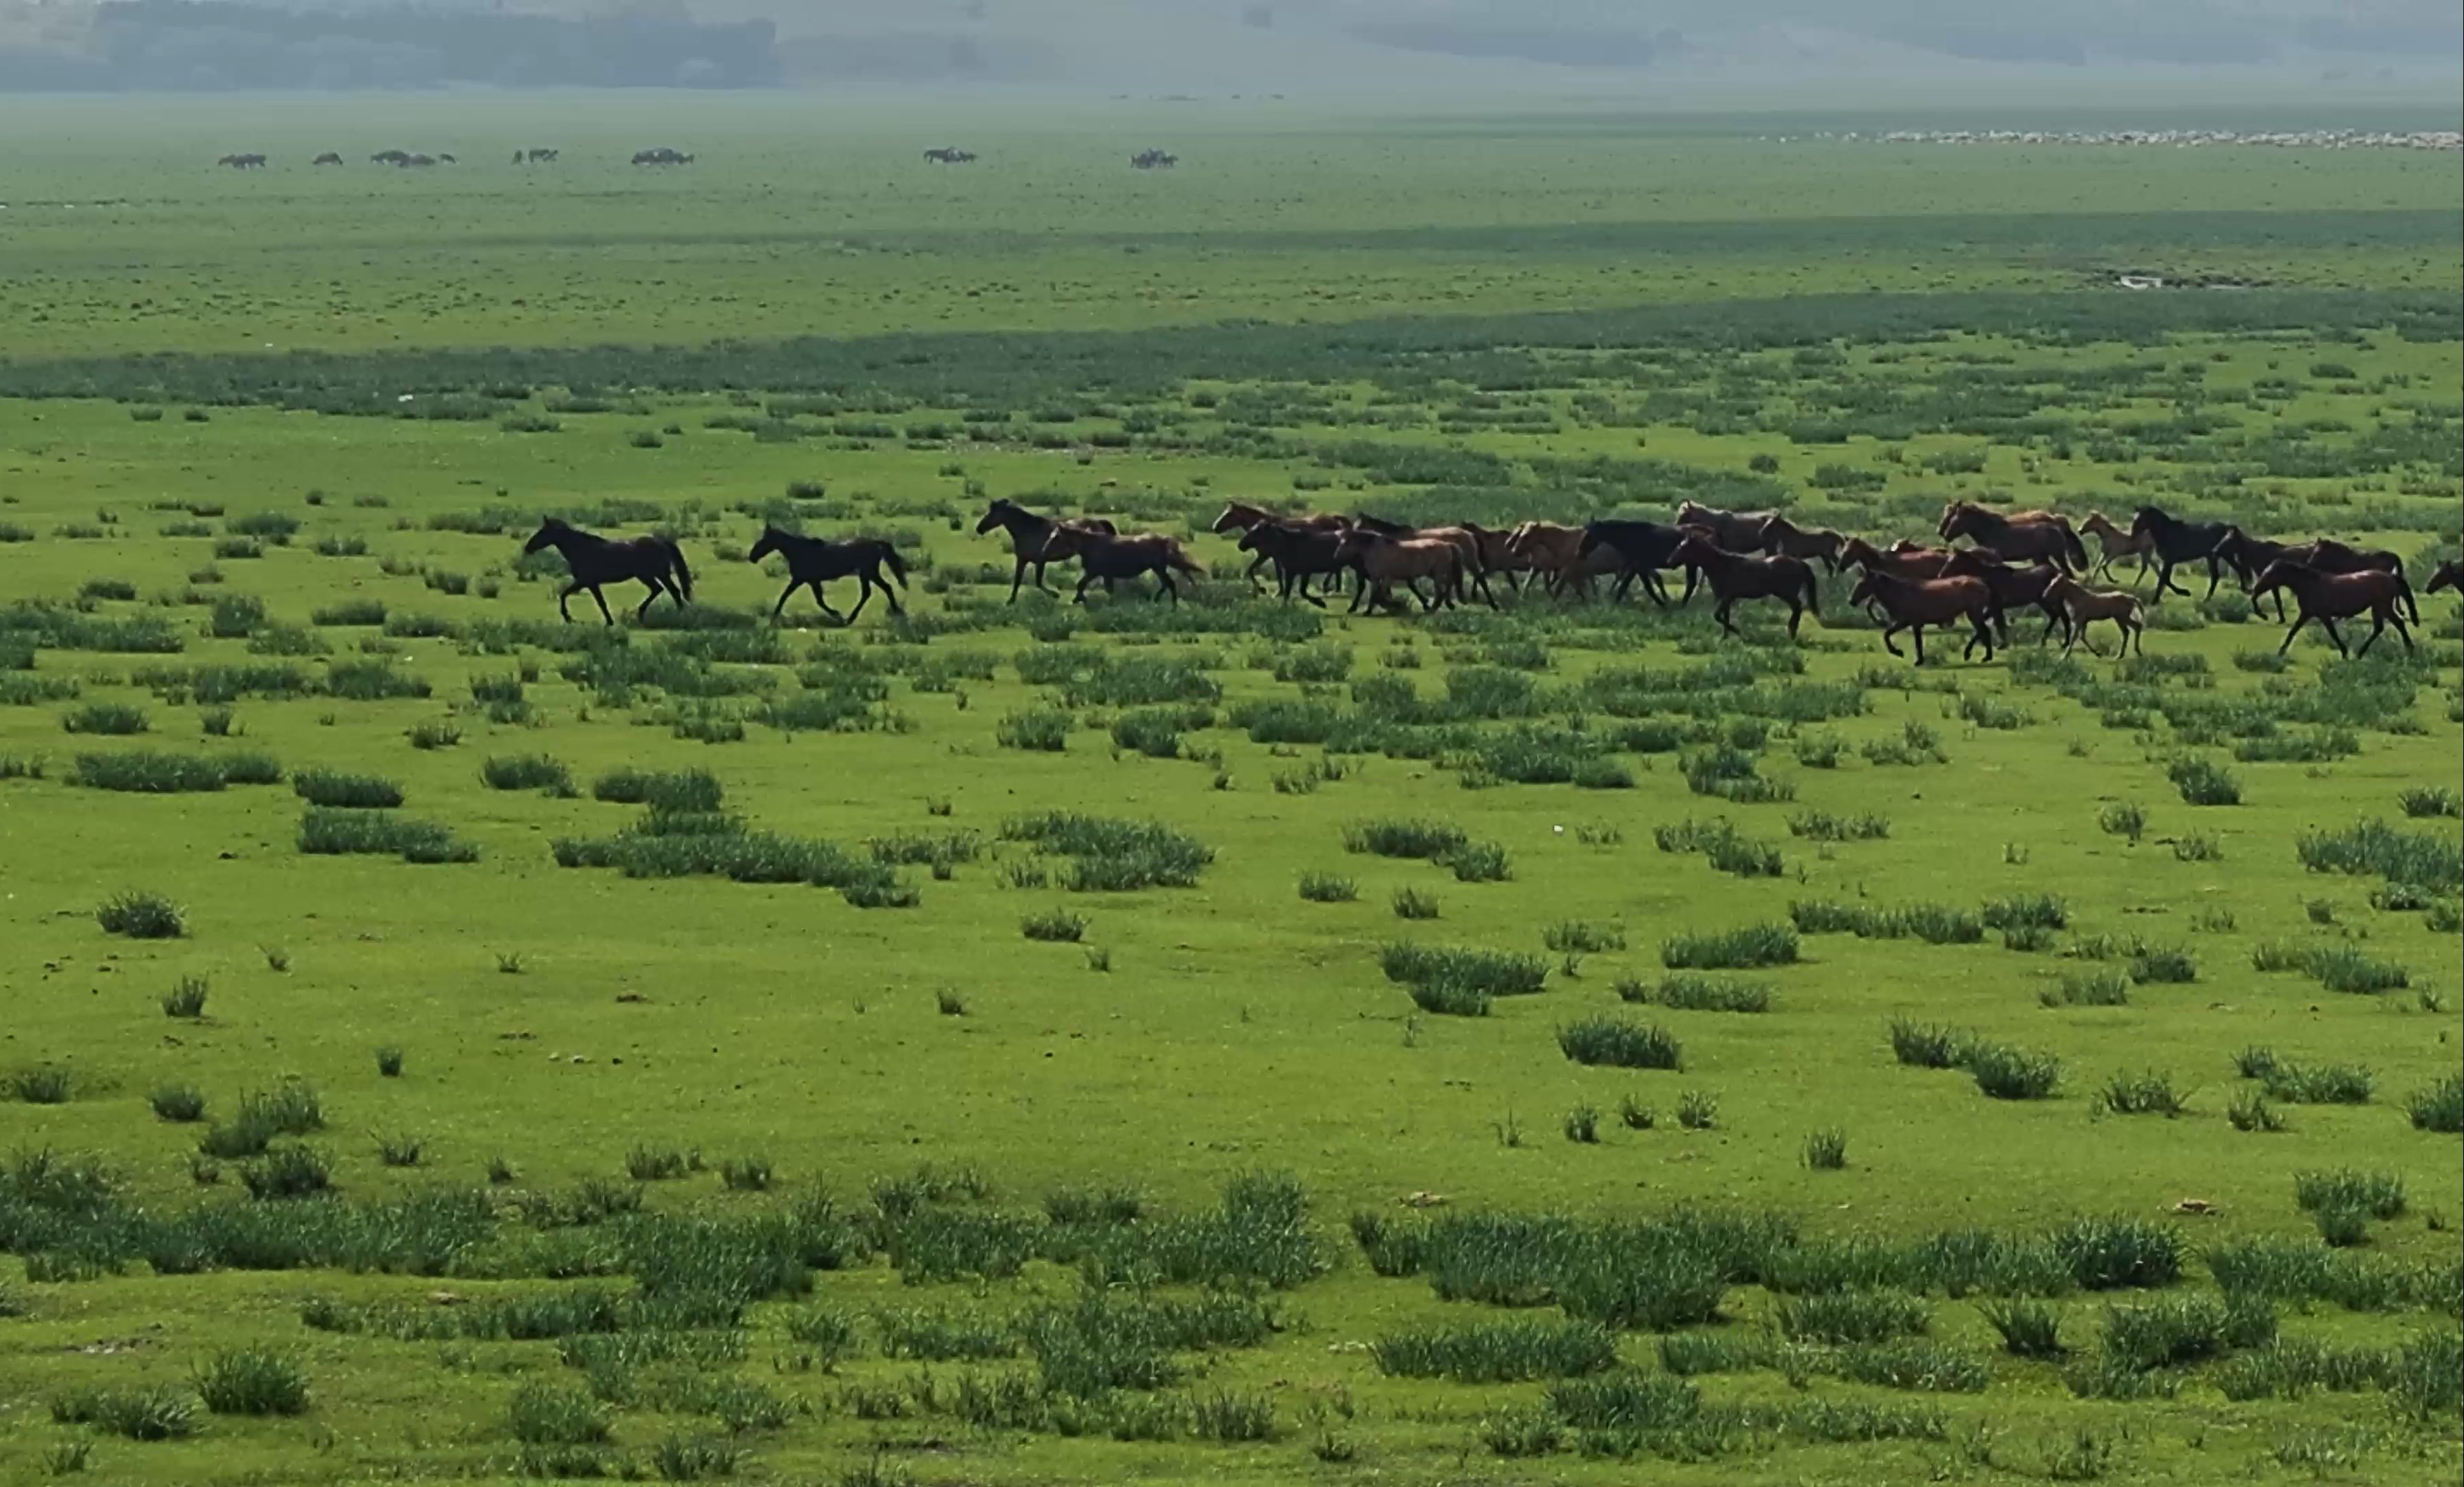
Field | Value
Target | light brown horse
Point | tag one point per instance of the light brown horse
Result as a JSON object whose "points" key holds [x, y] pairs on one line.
{"points": [[1383, 560], [1734, 531], [2021, 537], [1555, 552], [1736, 575], [2081, 606], [1103, 555], [1030, 538], [2328, 597], [1914, 604], [2118, 544], [1786, 539], [1240, 517]]}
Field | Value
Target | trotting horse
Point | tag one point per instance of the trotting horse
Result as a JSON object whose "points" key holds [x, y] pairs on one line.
{"points": [[1030, 538], [2081, 605], [1642, 548], [1243, 518], [2328, 597], [1734, 576], [2117, 545], [1913, 603], [2014, 587], [2251, 555], [1382, 560], [597, 560], [814, 561], [1298, 554], [2177, 541], [1106, 556], [2018, 536]]}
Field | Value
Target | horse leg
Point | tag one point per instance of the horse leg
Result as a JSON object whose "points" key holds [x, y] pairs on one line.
{"points": [[1887, 633], [1918, 630], [2051, 615], [784, 595], [2216, 576], [2328, 623], [822, 599], [1166, 587], [863, 594], [1080, 597], [602, 604], [1796, 612], [2299, 620], [561, 612], [643, 611], [1255, 564], [2164, 584], [1017, 576], [2401, 632], [1721, 613], [890, 596], [1985, 638]]}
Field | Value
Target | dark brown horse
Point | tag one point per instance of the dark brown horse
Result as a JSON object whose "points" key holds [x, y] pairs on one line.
{"points": [[1913, 603], [1106, 556], [2449, 574], [2328, 597], [1734, 576], [1030, 538], [2014, 587], [1242, 517], [1298, 553], [814, 561], [2021, 538], [1899, 562], [2251, 555], [1644, 549], [595, 561]]}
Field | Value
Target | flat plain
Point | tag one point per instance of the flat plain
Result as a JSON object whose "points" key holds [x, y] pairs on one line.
{"points": [[1229, 1041]]}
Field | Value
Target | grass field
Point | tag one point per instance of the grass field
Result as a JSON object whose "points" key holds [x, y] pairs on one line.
{"points": [[1244, 1043]]}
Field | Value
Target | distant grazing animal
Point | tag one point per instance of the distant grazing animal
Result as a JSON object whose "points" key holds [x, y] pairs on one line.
{"points": [[1732, 531], [2177, 541], [2328, 597], [2017, 537], [2449, 574], [243, 162], [949, 155], [1242, 518], [1913, 603], [329, 158], [1384, 560], [814, 561], [534, 157], [444, 159], [1106, 556], [595, 561], [391, 156], [1734, 576], [1785, 538], [1644, 549], [2119, 544], [416, 162], [1299, 553], [661, 155], [2083, 606], [1155, 160], [1030, 538]]}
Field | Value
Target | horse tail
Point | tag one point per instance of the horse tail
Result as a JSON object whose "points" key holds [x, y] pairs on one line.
{"points": [[1180, 559], [2077, 549], [1812, 593], [896, 564], [676, 557], [2404, 586]]}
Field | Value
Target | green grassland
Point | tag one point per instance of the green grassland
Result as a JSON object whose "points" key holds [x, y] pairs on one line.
{"points": [[1044, 1043]]}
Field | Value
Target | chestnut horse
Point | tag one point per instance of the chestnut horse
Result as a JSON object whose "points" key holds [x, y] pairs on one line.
{"points": [[2117, 545], [2080, 606], [1382, 560], [2328, 597], [1913, 603], [2018, 536]]}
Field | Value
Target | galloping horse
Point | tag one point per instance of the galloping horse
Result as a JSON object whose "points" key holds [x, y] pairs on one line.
{"points": [[2018, 536], [1642, 548], [2013, 587], [814, 561], [1556, 553], [1462, 539], [1107, 556], [2177, 541], [2117, 545], [595, 561], [1913, 603], [1240, 517], [1786, 539], [1734, 576], [1735, 531], [2328, 597], [2081, 605], [2251, 555], [1030, 538], [1382, 560], [1298, 553]]}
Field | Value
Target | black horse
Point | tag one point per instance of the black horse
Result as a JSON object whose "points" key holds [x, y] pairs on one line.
{"points": [[597, 560], [2449, 574], [2179, 541], [1644, 548], [1298, 553], [814, 561]]}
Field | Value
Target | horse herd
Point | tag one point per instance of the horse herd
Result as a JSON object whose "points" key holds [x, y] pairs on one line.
{"points": [[2016, 560], [660, 155]]}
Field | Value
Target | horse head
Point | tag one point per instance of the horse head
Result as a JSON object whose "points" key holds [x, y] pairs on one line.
{"points": [[552, 530], [769, 544], [998, 514]]}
